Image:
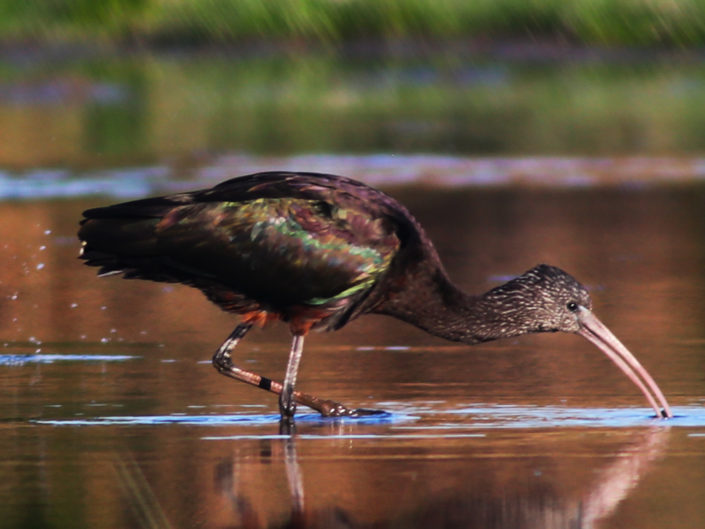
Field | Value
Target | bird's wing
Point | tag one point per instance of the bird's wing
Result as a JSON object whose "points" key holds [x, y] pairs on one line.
{"points": [[277, 239]]}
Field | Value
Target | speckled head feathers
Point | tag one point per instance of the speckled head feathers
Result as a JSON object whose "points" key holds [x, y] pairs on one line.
{"points": [[543, 299]]}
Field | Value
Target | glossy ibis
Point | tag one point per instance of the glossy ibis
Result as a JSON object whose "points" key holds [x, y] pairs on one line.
{"points": [[316, 251]]}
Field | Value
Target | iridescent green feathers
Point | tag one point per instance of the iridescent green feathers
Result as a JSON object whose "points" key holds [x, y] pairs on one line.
{"points": [[298, 245]]}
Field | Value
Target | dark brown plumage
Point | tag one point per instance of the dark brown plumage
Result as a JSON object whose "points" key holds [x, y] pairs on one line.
{"points": [[317, 251]]}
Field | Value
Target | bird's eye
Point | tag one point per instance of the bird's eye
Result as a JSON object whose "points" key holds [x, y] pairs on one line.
{"points": [[572, 306]]}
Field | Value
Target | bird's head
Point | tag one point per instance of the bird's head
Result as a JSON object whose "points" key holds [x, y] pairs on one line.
{"points": [[547, 299], [543, 299]]}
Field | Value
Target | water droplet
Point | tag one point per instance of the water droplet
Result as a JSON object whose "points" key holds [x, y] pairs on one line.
{"points": [[14, 296], [40, 266], [104, 340], [47, 232], [103, 307], [42, 248], [73, 305]]}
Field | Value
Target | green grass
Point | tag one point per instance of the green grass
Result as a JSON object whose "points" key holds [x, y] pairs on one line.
{"points": [[605, 22]]}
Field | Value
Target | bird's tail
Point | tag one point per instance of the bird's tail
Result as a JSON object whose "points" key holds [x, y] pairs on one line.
{"points": [[123, 239]]}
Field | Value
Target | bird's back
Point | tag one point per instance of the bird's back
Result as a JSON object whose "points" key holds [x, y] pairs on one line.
{"points": [[300, 246]]}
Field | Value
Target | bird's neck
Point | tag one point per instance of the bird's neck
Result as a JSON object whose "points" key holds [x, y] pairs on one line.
{"points": [[433, 303]]}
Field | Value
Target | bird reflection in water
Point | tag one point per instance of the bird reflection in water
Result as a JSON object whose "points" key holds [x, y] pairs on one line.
{"points": [[470, 503]]}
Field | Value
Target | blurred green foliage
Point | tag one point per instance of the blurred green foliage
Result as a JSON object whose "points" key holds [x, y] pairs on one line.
{"points": [[115, 110], [611, 22]]}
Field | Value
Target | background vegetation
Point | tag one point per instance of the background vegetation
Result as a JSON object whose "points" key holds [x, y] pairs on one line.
{"points": [[607, 22], [152, 81]]}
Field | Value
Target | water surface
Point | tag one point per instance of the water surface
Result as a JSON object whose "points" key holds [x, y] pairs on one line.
{"points": [[113, 416]]}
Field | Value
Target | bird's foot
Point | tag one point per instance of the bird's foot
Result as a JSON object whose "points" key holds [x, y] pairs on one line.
{"points": [[367, 412], [329, 408]]}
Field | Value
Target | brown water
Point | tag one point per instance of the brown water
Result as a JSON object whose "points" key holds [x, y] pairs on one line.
{"points": [[112, 415]]}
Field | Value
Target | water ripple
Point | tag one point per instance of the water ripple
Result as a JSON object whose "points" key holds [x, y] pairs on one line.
{"points": [[438, 421], [214, 420], [509, 416], [375, 169], [23, 359]]}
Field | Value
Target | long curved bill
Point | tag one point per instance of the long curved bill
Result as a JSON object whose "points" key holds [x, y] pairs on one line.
{"points": [[596, 332]]}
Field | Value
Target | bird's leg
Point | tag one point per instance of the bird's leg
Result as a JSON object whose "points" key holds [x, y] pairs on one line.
{"points": [[287, 403], [222, 361]]}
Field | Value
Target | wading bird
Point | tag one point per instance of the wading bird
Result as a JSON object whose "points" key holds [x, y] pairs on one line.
{"points": [[316, 251]]}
